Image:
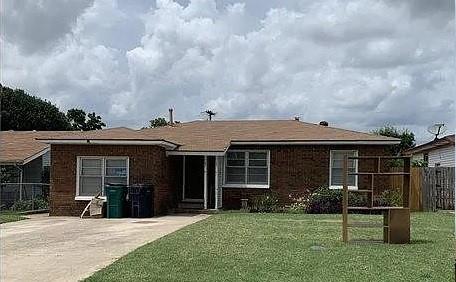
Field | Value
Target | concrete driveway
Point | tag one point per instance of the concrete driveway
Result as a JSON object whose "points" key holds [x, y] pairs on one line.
{"points": [[45, 248]]}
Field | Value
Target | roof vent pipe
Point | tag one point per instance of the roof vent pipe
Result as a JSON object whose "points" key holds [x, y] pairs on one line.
{"points": [[323, 123], [171, 117]]}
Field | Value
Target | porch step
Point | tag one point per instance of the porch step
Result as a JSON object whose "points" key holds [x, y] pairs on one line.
{"points": [[190, 206]]}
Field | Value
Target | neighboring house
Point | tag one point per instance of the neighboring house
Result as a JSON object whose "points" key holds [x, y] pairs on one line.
{"points": [[24, 157], [24, 164], [209, 164], [439, 152]]}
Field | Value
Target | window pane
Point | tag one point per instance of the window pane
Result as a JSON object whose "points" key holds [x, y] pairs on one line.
{"points": [[91, 171], [116, 171], [91, 166], [116, 163], [235, 162], [89, 186], [257, 176], [257, 162], [235, 170], [235, 178], [115, 180], [257, 155], [235, 155], [336, 177], [91, 163]]}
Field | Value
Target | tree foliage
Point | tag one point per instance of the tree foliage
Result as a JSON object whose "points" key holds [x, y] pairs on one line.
{"points": [[21, 111], [79, 120], [157, 122], [407, 137]]}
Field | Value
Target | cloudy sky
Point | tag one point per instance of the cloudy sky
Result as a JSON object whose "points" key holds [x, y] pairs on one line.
{"points": [[357, 64]]}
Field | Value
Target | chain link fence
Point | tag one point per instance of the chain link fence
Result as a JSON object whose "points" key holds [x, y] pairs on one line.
{"points": [[24, 196]]}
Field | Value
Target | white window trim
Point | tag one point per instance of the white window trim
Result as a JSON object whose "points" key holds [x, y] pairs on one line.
{"points": [[258, 186], [330, 169], [103, 174]]}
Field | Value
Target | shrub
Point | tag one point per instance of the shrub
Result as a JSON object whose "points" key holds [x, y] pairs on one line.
{"points": [[27, 205], [298, 204], [419, 163], [265, 203], [325, 200], [389, 198]]}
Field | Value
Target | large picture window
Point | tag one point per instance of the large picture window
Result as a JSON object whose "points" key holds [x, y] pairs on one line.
{"points": [[336, 169], [247, 168], [95, 172]]}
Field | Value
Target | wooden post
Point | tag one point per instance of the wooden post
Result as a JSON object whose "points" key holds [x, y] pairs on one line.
{"points": [[216, 183], [205, 182], [345, 200], [183, 177], [406, 184]]}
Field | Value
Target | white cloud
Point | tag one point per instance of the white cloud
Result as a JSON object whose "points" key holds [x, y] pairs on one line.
{"points": [[356, 63]]}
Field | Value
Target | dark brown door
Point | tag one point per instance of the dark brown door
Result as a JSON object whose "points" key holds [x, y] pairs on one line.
{"points": [[194, 177]]}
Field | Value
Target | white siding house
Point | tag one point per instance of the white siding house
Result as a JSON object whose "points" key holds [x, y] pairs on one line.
{"points": [[441, 157], [439, 152]]}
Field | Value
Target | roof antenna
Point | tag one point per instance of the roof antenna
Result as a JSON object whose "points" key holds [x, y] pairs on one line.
{"points": [[437, 129], [209, 114]]}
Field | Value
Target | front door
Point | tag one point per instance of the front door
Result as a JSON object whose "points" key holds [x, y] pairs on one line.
{"points": [[194, 178]]}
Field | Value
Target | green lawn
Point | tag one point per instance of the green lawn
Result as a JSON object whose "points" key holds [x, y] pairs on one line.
{"points": [[9, 216], [281, 247]]}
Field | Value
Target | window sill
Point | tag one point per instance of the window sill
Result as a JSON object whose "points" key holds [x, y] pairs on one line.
{"points": [[341, 187], [87, 198], [258, 186]]}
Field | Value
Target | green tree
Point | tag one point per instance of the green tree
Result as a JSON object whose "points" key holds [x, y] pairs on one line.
{"points": [[157, 122], [21, 111], [79, 120], [407, 137]]}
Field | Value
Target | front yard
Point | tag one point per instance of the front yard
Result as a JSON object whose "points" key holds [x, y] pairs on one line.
{"points": [[289, 247], [10, 216]]}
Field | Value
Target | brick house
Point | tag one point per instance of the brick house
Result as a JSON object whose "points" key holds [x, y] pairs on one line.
{"points": [[207, 164]]}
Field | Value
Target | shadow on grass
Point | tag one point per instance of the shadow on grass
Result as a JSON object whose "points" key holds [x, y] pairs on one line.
{"points": [[421, 241]]}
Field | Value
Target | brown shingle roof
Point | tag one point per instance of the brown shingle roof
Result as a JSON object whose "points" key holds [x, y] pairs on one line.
{"points": [[437, 143], [22, 146], [218, 135], [19, 146]]}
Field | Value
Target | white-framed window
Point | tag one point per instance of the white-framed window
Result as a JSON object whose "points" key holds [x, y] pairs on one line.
{"points": [[93, 173], [336, 169], [247, 169]]}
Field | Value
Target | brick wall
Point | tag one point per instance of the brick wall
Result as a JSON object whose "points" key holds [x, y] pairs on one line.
{"points": [[148, 164], [295, 169]]}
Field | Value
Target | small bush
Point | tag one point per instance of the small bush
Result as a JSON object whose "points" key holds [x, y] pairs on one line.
{"points": [[27, 205], [325, 200], [265, 203], [389, 198], [298, 204], [419, 163]]}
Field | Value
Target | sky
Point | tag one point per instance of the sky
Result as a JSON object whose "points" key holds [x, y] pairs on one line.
{"points": [[357, 64]]}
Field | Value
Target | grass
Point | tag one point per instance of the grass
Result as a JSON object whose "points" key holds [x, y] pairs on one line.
{"points": [[10, 216], [289, 247]]}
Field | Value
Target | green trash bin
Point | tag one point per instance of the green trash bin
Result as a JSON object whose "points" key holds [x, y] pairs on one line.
{"points": [[115, 194]]}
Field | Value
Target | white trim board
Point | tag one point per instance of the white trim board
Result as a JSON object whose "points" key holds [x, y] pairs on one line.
{"points": [[194, 153], [37, 155], [315, 142], [162, 143]]}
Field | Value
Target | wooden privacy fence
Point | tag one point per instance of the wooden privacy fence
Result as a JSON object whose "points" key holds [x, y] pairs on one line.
{"points": [[431, 188]]}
